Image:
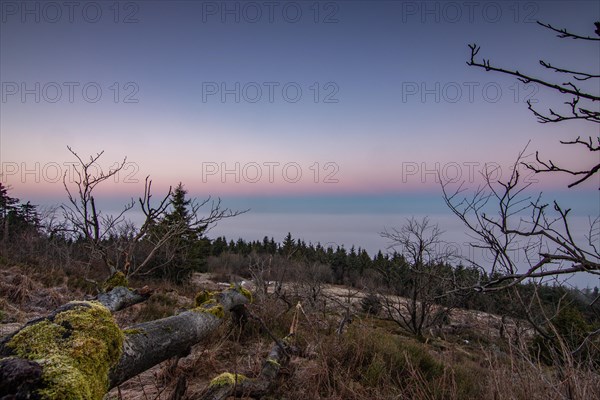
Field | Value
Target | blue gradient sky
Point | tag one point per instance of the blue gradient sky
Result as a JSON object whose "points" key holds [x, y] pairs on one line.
{"points": [[378, 139]]}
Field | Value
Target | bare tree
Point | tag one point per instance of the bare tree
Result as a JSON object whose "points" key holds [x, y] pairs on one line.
{"points": [[168, 238], [580, 106], [117, 242], [84, 219], [530, 240], [505, 221], [420, 274], [520, 231]]}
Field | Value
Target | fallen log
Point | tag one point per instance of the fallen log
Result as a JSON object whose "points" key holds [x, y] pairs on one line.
{"points": [[120, 297], [79, 352], [66, 355], [230, 384], [150, 343], [116, 299]]}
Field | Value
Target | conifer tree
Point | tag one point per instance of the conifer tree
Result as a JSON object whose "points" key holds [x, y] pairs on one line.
{"points": [[16, 218], [187, 248]]}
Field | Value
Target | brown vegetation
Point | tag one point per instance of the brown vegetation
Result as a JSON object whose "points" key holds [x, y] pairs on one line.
{"points": [[371, 358]]}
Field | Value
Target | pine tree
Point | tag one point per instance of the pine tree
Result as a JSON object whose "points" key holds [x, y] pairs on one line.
{"points": [[187, 248], [289, 246], [16, 218], [7, 203], [7, 208], [339, 265], [29, 215], [179, 214], [219, 245]]}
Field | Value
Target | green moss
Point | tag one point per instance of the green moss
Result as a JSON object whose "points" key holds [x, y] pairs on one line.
{"points": [[118, 279], [243, 291], [227, 378], [214, 309], [203, 297], [274, 362], [288, 340], [246, 293], [206, 302], [76, 349]]}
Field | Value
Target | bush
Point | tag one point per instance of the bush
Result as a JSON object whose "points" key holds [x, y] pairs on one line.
{"points": [[571, 329], [373, 363], [371, 304]]}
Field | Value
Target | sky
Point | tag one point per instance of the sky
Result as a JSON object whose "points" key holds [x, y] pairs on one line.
{"points": [[327, 119]]}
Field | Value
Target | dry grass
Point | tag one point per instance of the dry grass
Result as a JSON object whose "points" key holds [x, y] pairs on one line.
{"points": [[372, 359], [24, 295]]}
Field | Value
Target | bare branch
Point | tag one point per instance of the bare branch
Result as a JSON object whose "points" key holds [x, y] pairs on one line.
{"points": [[564, 88], [580, 76], [577, 111], [549, 166], [563, 33], [496, 234]]}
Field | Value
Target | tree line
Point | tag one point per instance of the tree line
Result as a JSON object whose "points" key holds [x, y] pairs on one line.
{"points": [[25, 232]]}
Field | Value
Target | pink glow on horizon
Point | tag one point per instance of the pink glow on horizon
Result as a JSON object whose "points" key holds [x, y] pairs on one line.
{"points": [[413, 181]]}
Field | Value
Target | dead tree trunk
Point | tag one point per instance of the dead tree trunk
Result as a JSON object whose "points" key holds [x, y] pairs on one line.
{"points": [[115, 300], [79, 352], [66, 355], [150, 343], [120, 298]]}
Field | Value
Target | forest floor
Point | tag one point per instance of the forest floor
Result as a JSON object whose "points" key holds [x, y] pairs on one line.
{"points": [[474, 355]]}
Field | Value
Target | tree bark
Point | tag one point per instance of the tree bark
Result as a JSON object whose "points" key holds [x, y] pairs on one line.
{"points": [[115, 300], [143, 345], [120, 297], [67, 354], [18, 378], [150, 343]]}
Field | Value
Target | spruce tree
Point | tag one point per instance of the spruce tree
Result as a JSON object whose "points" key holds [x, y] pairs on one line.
{"points": [[187, 249], [16, 218]]}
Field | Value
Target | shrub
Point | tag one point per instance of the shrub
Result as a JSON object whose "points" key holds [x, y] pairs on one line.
{"points": [[371, 304], [570, 327]]}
